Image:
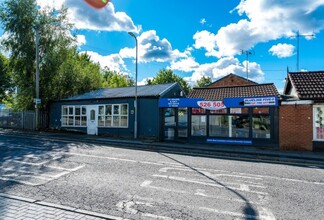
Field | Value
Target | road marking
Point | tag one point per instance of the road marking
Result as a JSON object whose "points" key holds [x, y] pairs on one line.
{"points": [[147, 183], [181, 179]]}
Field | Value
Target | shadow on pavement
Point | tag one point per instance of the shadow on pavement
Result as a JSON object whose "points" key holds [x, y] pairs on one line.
{"points": [[248, 211]]}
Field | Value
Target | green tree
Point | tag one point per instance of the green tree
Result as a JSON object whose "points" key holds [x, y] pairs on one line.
{"points": [[113, 79], [63, 71], [4, 77], [204, 81], [167, 76]]}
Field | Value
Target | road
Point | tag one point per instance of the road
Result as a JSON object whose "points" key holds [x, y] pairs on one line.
{"points": [[135, 184]]}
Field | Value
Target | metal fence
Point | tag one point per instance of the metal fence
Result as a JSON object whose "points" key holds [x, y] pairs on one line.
{"points": [[22, 119]]}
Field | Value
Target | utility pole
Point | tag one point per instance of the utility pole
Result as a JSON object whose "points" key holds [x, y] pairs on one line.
{"points": [[298, 36], [247, 54], [37, 100]]}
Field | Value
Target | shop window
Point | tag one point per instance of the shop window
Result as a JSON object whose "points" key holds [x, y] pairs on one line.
{"points": [[218, 126], [319, 123], [198, 125], [74, 116], [169, 117], [183, 117], [240, 126], [261, 126]]}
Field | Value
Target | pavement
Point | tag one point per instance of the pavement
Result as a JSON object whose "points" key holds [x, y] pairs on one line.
{"points": [[15, 208]]}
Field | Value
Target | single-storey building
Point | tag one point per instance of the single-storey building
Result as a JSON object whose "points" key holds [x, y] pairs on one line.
{"points": [[111, 111], [301, 115], [232, 110]]}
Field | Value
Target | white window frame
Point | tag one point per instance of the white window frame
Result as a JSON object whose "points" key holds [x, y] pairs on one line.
{"points": [[68, 115], [113, 115], [314, 121]]}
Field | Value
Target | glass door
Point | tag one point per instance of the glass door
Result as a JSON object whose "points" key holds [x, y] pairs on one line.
{"points": [[175, 124]]}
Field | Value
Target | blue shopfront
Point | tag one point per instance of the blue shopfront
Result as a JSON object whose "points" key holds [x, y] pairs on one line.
{"points": [[249, 121]]}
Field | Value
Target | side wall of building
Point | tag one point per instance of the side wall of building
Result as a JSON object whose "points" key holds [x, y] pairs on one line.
{"points": [[296, 127]]}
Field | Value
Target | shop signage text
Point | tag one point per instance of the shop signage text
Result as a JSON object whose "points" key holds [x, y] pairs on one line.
{"points": [[211, 105]]}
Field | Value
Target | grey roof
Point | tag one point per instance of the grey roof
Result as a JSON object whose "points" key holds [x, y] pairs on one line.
{"points": [[126, 92]]}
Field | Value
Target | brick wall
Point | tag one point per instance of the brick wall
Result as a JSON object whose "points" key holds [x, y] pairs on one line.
{"points": [[296, 127], [231, 80]]}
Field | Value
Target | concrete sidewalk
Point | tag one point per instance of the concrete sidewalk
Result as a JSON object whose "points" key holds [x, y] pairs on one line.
{"points": [[18, 208], [219, 151]]}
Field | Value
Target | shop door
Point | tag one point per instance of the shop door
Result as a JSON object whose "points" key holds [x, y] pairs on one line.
{"points": [[175, 124], [92, 127]]}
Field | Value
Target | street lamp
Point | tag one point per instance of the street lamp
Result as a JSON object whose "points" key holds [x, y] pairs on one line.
{"points": [[135, 102]]}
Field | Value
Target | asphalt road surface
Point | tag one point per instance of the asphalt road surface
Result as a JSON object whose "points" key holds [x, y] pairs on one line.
{"points": [[136, 184]]}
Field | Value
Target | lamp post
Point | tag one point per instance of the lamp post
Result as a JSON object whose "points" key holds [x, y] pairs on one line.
{"points": [[135, 102]]}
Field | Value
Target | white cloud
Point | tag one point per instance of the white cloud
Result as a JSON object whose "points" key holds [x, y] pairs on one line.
{"points": [[225, 66], [153, 49], [81, 40], [185, 65], [282, 50], [205, 39], [266, 21], [112, 61], [86, 17], [203, 21]]}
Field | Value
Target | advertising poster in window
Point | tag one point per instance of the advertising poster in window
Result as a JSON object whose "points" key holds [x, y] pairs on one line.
{"points": [[319, 123]]}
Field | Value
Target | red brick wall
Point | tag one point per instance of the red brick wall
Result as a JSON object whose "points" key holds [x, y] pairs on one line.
{"points": [[231, 80], [296, 127]]}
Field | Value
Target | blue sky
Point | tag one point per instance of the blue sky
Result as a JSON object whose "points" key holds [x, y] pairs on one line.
{"points": [[202, 38]]}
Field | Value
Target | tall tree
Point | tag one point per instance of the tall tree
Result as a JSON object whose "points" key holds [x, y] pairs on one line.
{"points": [[204, 81], [113, 79], [167, 76], [4, 77], [63, 72]]}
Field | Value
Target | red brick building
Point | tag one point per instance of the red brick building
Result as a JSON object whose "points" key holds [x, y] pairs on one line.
{"points": [[301, 114]]}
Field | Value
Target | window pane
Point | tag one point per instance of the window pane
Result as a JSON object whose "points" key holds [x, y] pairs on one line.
{"points": [[101, 110], [84, 110], [64, 121], [116, 109], [124, 121], [108, 109], [261, 126], [260, 110], [65, 110], [71, 111], [116, 121], [77, 111], [84, 120], [183, 117], [108, 121], [101, 121], [124, 110], [198, 127], [71, 120], [77, 120], [218, 126], [240, 126], [169, 116], [92, 115]]}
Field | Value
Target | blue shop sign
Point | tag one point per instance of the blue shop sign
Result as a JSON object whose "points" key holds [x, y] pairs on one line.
{"points": [[179, 102], [267, 101], [229, 141]]}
